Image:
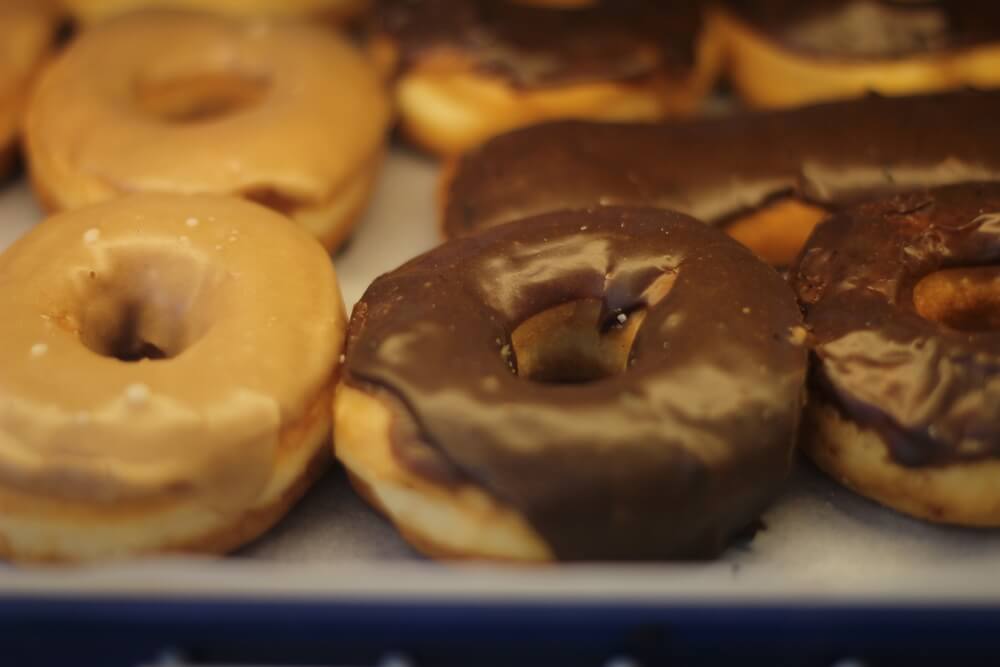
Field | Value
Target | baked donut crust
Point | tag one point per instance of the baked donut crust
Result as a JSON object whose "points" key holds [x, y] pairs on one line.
{"points": [[269, 123], [27, 30], [448, 102], [960, 493], [205, 329], [767, 73], [91, 12], [441, 521]]}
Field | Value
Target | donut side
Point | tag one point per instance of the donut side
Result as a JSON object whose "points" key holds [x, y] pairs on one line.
{"points": [[44, 529], [860, 458], [439, 520]]}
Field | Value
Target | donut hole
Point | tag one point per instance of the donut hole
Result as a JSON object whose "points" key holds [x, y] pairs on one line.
{"points": [[966, 299], [202, 97], [570, 344], [778, 231], [150, 305]]}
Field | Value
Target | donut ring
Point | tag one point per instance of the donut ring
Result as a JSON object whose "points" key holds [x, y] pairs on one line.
{"points": [[337, 11], [27, 29], [783, 53], [235, 318], [767, 178], [902, 297], [595, 346], [466, 70], [189, 103]]}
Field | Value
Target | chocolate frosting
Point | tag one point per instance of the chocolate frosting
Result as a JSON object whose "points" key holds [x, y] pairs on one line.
{"points": [[538, 46], [873, 29], [719, 168], [670, 458], [932, 392]]}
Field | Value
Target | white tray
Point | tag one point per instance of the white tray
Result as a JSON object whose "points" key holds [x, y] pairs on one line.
{"points": [[821, 544]]}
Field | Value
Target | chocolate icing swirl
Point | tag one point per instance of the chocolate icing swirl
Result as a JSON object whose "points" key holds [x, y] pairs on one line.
{"points": [[719, 168], [932, 391], [670, 458], [534, 46]]}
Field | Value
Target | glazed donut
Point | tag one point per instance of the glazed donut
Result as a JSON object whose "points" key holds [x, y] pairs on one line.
{"points": [[766, 177], [902, 297], [600, 384], [337, 11], [169, 363], [27, 30], [466, 70], [286, 115], [785, 53]]}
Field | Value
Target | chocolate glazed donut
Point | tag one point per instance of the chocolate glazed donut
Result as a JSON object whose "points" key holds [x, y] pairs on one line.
{"points": [[466, 70], [787, 52], [902, 297], [532, 45], [742, 172], [627, 383]]}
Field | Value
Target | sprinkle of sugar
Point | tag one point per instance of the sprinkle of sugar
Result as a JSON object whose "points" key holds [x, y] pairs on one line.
{"points": [[39, 350], [746, 311], [583, 228], [797, 335], [191, 222], [91, 235], [137, 394], [622, 318]]}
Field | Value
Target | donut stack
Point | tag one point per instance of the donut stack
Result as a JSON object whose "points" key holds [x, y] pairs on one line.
{"points": [[638, 314]]}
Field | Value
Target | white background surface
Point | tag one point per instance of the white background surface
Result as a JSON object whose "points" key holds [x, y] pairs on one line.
{"points": [[819, 540]]}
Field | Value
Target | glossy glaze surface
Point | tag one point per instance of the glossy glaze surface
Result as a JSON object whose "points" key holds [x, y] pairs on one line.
{"points": [[719, 168], [669, 458], [932, 391]]}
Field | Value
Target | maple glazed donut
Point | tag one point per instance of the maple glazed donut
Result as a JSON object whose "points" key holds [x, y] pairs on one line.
{"points": [[95, 11], [465, 70], [27, 31], [189, 103], [169, 362], [597, 384], [767, 178], [785, 52], [902, 297]]}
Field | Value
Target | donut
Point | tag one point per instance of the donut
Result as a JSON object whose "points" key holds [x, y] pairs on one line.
{"points": [[287, 115], [766, 177], [611, 383], [169, 362], [782, 53], [465, 70], [902, 297], [27, 30], [89, 12]]}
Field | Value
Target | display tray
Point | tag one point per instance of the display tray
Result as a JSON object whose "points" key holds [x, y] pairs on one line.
{"points": [[818, 544]]}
